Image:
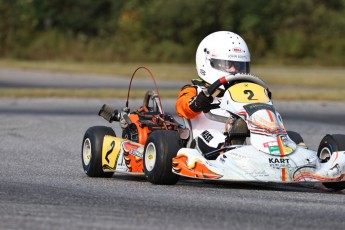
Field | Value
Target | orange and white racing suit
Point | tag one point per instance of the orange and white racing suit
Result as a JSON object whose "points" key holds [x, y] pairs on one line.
{"points": [[203, 128]]}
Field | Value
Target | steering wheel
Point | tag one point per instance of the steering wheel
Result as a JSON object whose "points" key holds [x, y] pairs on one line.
{"points": [[232, 79]]}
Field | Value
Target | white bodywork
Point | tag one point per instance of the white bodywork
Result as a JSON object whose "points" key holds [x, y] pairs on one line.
{"points": [[271, 155], [246, 163]]}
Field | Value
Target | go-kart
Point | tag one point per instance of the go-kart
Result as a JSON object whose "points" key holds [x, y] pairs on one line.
{"points": [[155, 144], [103, 153]]}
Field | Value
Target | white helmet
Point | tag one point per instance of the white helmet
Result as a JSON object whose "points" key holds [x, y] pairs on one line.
{"points": [[221, 53]]}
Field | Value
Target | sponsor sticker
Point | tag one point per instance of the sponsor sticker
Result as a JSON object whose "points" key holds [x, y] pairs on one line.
{"points": [[137, 152], [232, 56], [252, 108], [279, 163], [207, 136], [272, 147], [237, 50], [258, 173], [236, 155], [270, 144]]}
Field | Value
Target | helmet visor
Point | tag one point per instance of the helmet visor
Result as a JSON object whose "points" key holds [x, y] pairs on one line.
{"points": [[230, 66]]}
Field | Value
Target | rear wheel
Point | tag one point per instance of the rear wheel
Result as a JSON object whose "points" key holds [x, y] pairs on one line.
{"points": [[161, 146], [328, 145], [91, 152]]}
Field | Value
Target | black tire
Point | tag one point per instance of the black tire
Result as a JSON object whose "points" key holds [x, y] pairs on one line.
{"points": [[161, 146], [296, 137], [91, 152], [328, 145]]}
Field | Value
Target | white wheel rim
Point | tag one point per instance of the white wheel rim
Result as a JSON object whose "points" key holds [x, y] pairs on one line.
{"points": [[150, 157], [87, 151], [325, 153]]}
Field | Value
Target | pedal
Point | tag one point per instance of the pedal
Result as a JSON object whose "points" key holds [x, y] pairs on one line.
{"points": [[108, 113]]}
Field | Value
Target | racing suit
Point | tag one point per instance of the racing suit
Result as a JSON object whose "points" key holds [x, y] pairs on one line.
{"points": [[207, 134]]}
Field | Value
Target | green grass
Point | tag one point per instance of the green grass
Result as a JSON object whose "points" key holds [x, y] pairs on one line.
{"points": [[318, 95], [308, 77], [312, 83], [161, 71]]}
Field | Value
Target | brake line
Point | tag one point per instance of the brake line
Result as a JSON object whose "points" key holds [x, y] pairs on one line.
{"points": [[154, 81]]}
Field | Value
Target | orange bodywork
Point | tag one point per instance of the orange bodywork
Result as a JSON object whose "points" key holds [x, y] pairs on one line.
{"points": [[133, 163], [142, 131], [182, 103], [198, 171]]}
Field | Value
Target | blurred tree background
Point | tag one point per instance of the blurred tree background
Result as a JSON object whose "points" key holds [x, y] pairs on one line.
{"points": [[277, 32]]}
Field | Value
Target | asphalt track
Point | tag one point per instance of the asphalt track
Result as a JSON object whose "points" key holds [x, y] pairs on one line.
{"points": [[43, 186]]}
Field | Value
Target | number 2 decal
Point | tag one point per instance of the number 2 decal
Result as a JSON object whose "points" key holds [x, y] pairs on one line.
{"points": [[251, 94], [248, 92], [112, 148]]}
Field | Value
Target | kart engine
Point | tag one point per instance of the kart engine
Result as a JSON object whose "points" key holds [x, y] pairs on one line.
{"points": [[137, 125]]}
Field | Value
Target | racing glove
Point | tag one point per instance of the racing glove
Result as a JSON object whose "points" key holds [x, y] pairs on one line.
{"points": [[201, 103]]}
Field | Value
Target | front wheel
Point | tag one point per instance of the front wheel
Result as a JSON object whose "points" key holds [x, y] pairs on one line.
{"points": [[91, 152], [328, 145], [161, 146], [296, 137]]}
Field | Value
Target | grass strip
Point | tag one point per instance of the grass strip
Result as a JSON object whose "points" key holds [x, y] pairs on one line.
{"points": [[79, 93], [302, 76], [316, 95]]}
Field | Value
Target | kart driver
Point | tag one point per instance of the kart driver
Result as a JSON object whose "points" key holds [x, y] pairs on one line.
{"points": [[219, 54]]}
